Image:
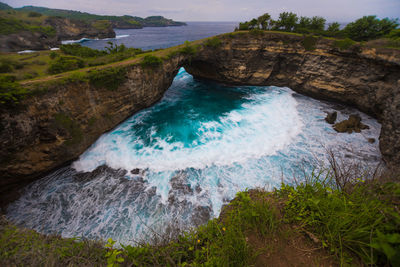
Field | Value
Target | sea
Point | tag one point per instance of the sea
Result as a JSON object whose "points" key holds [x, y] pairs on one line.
{"points": [[177, 163]]}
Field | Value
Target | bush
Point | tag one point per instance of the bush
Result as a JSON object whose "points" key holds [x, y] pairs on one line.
{"points": [[188, 49], [53, 55], [110, 78], [63, 64], [369, 27], [150, 61], [309, 43], [213, 42], [10, 92], [34, 14], [5, 66], [80, 51], [344, 44]]}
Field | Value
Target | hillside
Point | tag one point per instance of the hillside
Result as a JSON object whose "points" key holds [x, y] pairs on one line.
{"points": [[126, 22]]}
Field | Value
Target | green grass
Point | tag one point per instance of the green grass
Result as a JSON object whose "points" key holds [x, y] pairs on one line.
{"points": [[213, 42], [359, 221], [109, 78], [150, 61], [23, 247], [344, 44]]}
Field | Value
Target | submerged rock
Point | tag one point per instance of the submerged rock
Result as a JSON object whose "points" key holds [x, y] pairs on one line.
{"points": [[353, 123], [331, 117]]}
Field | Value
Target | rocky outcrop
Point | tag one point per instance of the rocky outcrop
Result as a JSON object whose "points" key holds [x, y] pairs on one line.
{"points": [[68, 29], [57, 125], [65, 29], [367, 78], [52, 128], [352, 124]]}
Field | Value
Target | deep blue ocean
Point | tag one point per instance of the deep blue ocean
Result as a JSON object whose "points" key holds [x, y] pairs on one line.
{"points": [[162, 37], [178, 162]]}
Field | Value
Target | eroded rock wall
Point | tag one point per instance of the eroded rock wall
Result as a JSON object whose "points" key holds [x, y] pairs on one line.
{"points": [[54, 127], [366, 78]]}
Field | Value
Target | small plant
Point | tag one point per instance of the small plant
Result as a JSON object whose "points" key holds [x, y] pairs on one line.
{"points": [[344, 44], [113, 255], [109, 78], [309, 42], [53, 54], [150, 61], [63, 64], [213, 42], [188, 49], [11, 93]]}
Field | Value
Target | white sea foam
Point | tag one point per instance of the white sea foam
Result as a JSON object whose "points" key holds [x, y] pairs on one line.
{"points": [[260, 128]]}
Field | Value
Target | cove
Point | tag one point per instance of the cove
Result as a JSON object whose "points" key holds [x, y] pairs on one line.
{"points": [[179, 161]]}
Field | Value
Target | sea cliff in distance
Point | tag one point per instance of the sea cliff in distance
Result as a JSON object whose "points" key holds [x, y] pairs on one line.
{"points": [[38, 28]]}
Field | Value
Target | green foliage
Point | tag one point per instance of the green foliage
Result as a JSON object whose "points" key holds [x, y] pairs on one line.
{"points": [[53, 55], [34, 14], [109, 78], [12, 25], [344, 43], [309, 42], [354, 222], [287, 21], [65, 122], [113, 255], [369, 27], [11, 93], [80, 51], [150, 61], [188, 49], [217, 243], [213, 42], [65, 63], [23, 247], [264, 20]]}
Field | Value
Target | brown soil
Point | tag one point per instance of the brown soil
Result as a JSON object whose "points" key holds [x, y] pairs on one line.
{"points": [[289, 246]]}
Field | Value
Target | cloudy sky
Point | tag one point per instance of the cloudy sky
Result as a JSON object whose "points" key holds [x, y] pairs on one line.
{"points": [[225, 10]]}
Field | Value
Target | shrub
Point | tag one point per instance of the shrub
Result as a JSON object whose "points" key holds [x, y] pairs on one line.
{"points": [[34, 14], [369, 27], [80, 51], [188, 49], [150, 61], [5, 66], [309, 43], [344, 44], [213, 42], [110, 78], [10, 92], [63, 64], [53, 55]]}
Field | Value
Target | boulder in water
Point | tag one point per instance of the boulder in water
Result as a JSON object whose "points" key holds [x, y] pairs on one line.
{"points": [[331, 117], [352, 124]]}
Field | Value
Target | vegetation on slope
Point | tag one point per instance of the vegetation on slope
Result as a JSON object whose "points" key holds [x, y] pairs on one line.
{"points": [[12, 21], [126, 21], [341, 219], [363, 29]]}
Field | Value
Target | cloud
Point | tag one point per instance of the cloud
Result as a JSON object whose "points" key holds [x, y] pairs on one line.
{"points": [[226, 10]]}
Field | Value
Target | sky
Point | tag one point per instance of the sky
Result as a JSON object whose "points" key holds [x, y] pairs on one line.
{"points": [[226, 10]]}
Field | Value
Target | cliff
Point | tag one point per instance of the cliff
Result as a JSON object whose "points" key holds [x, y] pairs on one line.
{"points": [[66, 116], [367, 78], [22, 31]]}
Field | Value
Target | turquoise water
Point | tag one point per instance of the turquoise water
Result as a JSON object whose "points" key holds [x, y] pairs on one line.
{"points": [[178, 162]]}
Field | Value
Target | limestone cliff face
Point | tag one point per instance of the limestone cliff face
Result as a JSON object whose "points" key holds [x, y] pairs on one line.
{"points": [[57, 126], [366, 78], [66, 29]]}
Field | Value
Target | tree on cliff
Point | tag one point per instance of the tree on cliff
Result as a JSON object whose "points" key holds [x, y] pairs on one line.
{"points": [[287, 21], [264, 21], [333, 29], [369, 27]]}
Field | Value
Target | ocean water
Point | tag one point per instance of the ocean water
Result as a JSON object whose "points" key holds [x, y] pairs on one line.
{"points": [[177, 163], [161, 37]]}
